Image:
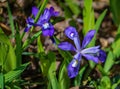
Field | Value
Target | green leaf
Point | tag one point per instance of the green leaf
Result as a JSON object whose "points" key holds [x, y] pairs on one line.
{"points": [[7, 55], [30, 40], [18, 47], [13, 74], [100, 19], [115, 6], [39, 44], [11, 19], [64, 80], [78, 79], [52, 71], [113, 53], [116, 82], [88, 16], [1, 81], [89, 22], [73, 6], [105, 83]]}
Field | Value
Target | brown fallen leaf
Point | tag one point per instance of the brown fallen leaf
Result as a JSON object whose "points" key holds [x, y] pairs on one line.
{"points": [[5, 28]]}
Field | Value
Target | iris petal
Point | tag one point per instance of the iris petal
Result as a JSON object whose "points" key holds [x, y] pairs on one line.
{"points": [[53, 13], [91, 50], [91, 57], [71, 32], [29, 20], [102, 56], [66, 46], [27, 29], [88, 38], [35, 11], [77, 43], [73, 71], [49, 31], [46, 15]]}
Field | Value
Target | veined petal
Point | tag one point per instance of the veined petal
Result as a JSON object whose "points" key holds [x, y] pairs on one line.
{"points": [[77, 43], [91, 50], [91, 57], [102, 56], [66, 46], [46, 15], [88, 38], [35, 11], [71, 32], [73, 70]]}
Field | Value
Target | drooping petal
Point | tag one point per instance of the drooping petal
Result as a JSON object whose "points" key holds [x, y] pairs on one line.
{"points": [[74, 65], [35, 11], [71, 32], [88, 38], [102, 56], [48, 31], [91, 57], [91, 50], [66, 46], [73, 71]]}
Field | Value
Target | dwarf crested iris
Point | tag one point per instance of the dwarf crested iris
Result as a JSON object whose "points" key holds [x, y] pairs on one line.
{"points": [[93, 53], [43, 21]]}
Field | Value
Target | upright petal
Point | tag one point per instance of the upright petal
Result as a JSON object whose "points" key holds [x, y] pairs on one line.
{"points": [[77, 43], [35, 11], [102, 56], [54, 13], [66, 46], [91, 57], [88, 38], [46, 15], [73, 71], [29, 20], [71, 32], [73, 35]]}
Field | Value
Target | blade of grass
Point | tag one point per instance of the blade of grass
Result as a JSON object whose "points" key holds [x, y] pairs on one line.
{"points": [[11, 19], [10, 76], [1, 81], [18, 48]]}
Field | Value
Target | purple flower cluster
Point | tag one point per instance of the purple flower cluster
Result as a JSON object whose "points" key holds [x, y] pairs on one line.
{"points": [[43, 21], [93, 53]]}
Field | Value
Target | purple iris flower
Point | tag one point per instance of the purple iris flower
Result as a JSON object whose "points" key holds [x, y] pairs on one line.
{"points": [[93, 53], [43, 21]]}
